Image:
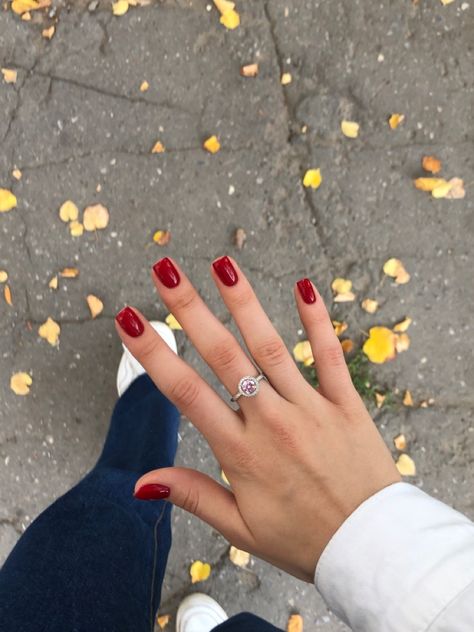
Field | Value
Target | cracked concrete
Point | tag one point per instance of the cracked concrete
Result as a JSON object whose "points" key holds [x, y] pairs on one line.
{"points": [[79, 128]]}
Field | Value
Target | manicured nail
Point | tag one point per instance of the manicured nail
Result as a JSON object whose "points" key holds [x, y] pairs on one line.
{"points": [[306, 290], [154, 491], [225, 271], [130, 323], [166, 272]]}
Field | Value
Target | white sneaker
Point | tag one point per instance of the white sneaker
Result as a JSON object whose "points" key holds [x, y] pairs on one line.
{"points": [[129, 368], [199, 613]]}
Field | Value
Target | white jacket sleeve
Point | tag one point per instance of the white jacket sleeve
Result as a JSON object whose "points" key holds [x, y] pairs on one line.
{"points": [[402, 562]]}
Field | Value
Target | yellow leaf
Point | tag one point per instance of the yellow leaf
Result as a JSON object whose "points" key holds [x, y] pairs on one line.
{"points": [[3, 276], [379, 399], [172, 323], [69, 273], [224, 478], [295, 623], [370, 305], [339, 327], [53, 284], [400, 442], [230, 19], [238, 557], [50, 331], [68, 211], [345, 297], [212, 145], [76, 228], [380, 345], [402, 342], [249, 70], [158, 148], [431, 164], [7, 293], [16, 173], [22, 6], [302, 352], [9, 75], [350, 129], [312, 178], [445, 2], [395, 268], [347, 345], [26, 16], [406, 465], [341, 286], [95, 305], [199, 571], [7, 200], [96, 217], [224, 6], [120, 7], [402, 325], [162, 237], [286, 78], [456, 191], [240, 237], [144, 86], [48, 33], [395, 120], [442, 190], [428, 184], [407, 399], [20, 383], [163, 620]]}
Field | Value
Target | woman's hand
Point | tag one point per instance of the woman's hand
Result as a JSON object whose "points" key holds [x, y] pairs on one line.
{"points": [[299, 460]]}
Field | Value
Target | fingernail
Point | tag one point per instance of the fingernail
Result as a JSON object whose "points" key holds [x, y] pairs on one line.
{"points": [[166, 272], [130, 323], [306, 290], [153, 491], [225, 271]]}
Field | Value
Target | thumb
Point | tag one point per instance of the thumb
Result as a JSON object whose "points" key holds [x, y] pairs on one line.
{"points": [[198, 494]]}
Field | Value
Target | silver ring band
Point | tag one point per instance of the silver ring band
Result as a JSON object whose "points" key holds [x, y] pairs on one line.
{"points": [[248, 386]]}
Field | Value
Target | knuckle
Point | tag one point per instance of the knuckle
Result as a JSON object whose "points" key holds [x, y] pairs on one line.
{"points": [[185, 392], [243, 459], [243, 298], [149, 350], [184, 302], [223, 354], [191, 500], [332, 356], [272, 352]]}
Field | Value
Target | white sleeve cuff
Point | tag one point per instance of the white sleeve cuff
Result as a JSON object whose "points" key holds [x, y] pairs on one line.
{"points": [[399, 562]]}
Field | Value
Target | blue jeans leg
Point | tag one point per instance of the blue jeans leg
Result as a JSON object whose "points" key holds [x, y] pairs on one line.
{"points": [[94, 560]]}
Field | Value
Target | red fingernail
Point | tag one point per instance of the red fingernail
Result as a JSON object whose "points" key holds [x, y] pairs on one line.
{"points": [[306, 291], [153, 491], [166, 272], [130, 323], [225, 271]]}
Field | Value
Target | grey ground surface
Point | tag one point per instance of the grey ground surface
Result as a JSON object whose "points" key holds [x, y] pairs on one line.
{"points": [[76, 118]]}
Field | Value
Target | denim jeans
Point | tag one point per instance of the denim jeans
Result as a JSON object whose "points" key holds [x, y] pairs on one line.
{"points": [[94, 561]]}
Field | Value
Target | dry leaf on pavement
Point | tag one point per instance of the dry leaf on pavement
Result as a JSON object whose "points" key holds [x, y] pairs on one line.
{"points": [[457, 191], [144, 86], [163, 620], [302, 352], [20, 383], [431, 164], [312, 178], [407, 399], [249, 70], [7, 201], [229, 16], [295, 623], [343, 290], [50, 331], [406, 465], [380, 346], [96, 217], [212, 144], [400, 442], [69, 273], [286, 78], [395, 120], [369, 305], [3, 276], [9, 75], [49, 32], [402, 342], [239, 238], [76, 228], [172, 323], [350, 129], [120, 7], [158, 148], [238, 557], [402, 325], [379, 399], [199, 571], [53, 283], [68, 211], [95, 305], [162, 237], [394, 268], [339, 327], [347, 345]]}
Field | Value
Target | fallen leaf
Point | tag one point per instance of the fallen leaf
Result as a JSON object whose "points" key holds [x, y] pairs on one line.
{"points": [[9, 75], [224, 478], [7, 200], [144, 86], [295, 623], [224, 6], [347, 345], [456, 191], [380, 345], [400, 442], [302, 352], [339, 327], [286, 78], [163, 620], [76, 228], [199, 571], [172, 323], [312, 178], [212, 145], [341, 286], [69, 273], [402, 342], [49, 32], [53, 284], [7, 293], [26, 16], [445, 2], [50, 331], [239, 238], [407, 399], [238, 557], [345, 297], [249, 70], [442, 190], [230, 19], [379, 399], [158, 148], [350, 129], [95, 305], [162, 237], [406, 465], [395, 268], [16, 173], [395, 120], [68, 211], [402, 325], [20, 383], [22, 6], [429, 184], [96, 217], [425, 403], [120, 7], [369, 305], [431, 164], [3, 276]]}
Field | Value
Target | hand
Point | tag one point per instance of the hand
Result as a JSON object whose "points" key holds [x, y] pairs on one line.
{"points": [[299, 460]]}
